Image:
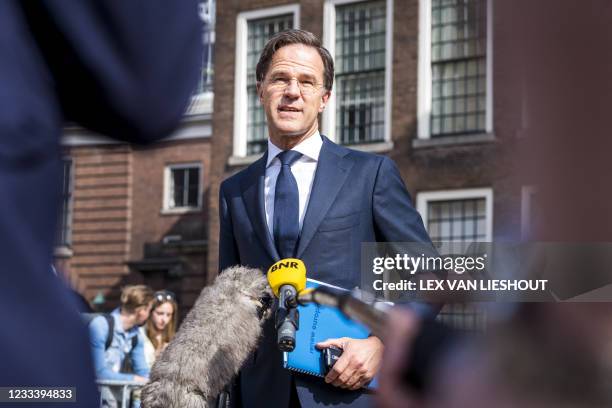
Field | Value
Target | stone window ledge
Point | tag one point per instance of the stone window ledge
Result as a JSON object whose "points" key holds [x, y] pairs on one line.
{"points": [[454, 140]]}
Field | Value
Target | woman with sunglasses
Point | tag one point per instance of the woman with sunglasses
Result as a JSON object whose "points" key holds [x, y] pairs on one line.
{"points": [[161, 326]]}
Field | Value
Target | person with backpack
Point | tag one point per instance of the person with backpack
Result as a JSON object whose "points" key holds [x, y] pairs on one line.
{"points": [[114, 337]]}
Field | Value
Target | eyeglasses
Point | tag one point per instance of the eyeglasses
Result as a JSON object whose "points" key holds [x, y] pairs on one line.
{"points": [[281, 83], [164, 295]]}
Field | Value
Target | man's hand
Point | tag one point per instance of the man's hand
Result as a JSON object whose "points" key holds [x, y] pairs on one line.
{"points": [[358, 364]]}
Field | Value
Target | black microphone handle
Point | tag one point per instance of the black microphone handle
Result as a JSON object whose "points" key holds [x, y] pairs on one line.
{"points": [[287, 319]]}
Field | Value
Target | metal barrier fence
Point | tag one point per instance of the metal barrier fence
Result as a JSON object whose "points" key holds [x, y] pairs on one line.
{"points": [[118, 387]]}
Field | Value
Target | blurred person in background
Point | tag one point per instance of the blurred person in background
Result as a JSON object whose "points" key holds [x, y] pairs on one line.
{"points": [[125, 69], [114, 341], [161, 326]]}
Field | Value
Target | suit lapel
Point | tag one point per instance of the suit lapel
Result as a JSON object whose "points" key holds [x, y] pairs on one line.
{"points": [[252, 187], [332, 170]]}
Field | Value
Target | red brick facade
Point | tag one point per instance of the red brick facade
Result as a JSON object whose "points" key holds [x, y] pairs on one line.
{"points": [[461, 163], [119, 224]]}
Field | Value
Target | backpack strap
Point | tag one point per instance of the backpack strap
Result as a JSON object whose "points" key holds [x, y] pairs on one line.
{"points": [[111, 330]]}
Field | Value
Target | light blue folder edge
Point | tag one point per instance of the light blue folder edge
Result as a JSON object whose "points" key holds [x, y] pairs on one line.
{"points": [[330, 323]]}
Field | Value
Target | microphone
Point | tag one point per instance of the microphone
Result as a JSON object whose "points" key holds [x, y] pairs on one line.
{"points": [[357, 305], [215, 339], [287, 278], [430, 345]]}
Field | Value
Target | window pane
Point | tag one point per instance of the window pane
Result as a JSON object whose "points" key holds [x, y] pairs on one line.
{"points": [[435, 126], [64, 232], [192, 196], [460, 106], [460, 220], [178, 195], [258, 33], [194, 177], [206, 11], [458, 64], [360, 72], [185, 187], [194, 187], [360, 108]]}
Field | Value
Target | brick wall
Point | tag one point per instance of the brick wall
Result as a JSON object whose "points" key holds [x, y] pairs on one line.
{"points": [[101, 218], [473, 165], [150, 224], [118, 221]]}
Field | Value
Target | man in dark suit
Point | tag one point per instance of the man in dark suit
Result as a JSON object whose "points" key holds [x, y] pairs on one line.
{"points": [[122, 68], [311, 199]]}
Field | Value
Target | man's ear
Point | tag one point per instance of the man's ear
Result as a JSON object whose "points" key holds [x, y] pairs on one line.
{"points": [[324, 99], [259, 91]]}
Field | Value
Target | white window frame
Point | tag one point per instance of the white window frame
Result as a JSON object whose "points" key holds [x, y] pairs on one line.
{"points": [[424, 104], [425, 197], [328, 123], [166, 209], [240, 81]]}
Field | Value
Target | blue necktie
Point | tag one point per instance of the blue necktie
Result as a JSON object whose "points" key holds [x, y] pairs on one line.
{"points": [[286, 206]]}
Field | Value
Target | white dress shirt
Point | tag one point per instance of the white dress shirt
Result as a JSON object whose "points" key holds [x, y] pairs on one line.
{"points": [[303, 170]]}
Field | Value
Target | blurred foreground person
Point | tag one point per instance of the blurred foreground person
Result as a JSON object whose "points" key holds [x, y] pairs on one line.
{"points": [[546, 355], [122, 68], [541, 354]]}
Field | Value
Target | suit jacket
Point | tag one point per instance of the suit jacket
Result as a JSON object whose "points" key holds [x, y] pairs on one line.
{"points": [[356, 197], [122, 68]]}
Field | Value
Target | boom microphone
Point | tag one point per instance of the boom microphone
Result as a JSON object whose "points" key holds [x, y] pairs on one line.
{"points": [[432, 342], [214, 341], [356, 305], [287, 278]]}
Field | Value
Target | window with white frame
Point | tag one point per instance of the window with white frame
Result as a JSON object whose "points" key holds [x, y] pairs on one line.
{"points": [[457, 220], [253, 30], [183, 187], [64, 232], [454, 68], [206, 11], [202, 98], [459, 216], [360, 72], [259, 32], [357, 33]]}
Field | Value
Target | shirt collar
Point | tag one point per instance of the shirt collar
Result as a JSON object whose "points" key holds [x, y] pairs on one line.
{"points": [[310, 147]]}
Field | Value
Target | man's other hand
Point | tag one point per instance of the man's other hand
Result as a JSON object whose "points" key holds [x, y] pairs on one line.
{"points": [[358, 364]]}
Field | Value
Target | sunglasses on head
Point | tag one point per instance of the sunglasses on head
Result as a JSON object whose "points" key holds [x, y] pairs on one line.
{"points": [[164, 295]]}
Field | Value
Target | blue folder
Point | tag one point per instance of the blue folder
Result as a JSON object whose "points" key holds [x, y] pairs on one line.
{"points": [[319, 323]]}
